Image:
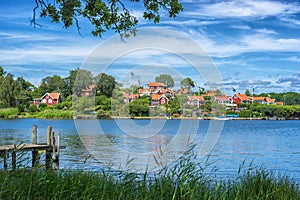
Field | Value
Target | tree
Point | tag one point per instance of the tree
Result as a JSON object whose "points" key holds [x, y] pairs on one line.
{"points": [[166, 79], [247, 93], [139, 107], [9, 90], [51, 84], [2, 72], [105, 84], [103, 15], [79, 79], [187, 83]]}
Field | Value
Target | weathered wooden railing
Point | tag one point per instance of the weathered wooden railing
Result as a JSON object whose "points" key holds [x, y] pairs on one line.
{"points": [[52, 150]]}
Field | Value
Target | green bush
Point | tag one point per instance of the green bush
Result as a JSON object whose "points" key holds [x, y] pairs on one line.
{"points": [[9, 112]]}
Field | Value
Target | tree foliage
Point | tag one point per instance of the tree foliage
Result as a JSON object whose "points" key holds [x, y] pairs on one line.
{"points": [[166, 79], [103, 15], [187, 83], [105, 84]]}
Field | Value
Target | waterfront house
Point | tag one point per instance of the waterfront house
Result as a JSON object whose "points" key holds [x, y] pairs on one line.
{"points": [[195, 100], [159, 99], [263, 100], [89, 91], [130, 97], [155, 86], [49, 99], [241, 98]]}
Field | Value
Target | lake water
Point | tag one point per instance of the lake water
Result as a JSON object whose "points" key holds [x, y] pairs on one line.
{"points": [[92, 144]]}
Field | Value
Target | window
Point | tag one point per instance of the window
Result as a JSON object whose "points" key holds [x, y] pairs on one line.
{"points": [[44, 101], [49, 100]]}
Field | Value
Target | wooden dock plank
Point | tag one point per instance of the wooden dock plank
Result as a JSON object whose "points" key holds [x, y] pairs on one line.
{"points": [[27, 147]]}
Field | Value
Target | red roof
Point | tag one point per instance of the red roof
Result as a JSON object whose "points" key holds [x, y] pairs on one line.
{"points": [[279, 103], [144, 90], [53, 95], [157, 96], [259, 98], [243, 97], [270, 100], [220, 98], [199, 98], [154, 84]]}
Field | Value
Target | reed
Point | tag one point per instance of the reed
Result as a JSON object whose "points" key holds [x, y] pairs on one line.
{"points": [[185, 179], [55, 114], [9, 112]]}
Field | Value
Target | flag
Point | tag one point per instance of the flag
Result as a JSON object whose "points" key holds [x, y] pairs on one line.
{"points": [[201, 89], [233, 89]]}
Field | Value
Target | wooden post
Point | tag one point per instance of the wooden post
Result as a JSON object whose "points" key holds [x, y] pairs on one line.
{"points": [[5, 159], [49, 132], [48, 151], [34, 141], [14, 158]]}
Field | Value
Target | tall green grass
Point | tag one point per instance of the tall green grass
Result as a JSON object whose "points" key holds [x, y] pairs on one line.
{"points": [[55, 114], [183, 180], [9, 112]]}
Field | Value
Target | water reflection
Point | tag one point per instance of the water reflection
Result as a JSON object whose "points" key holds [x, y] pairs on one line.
{"points": [[275, 144]]}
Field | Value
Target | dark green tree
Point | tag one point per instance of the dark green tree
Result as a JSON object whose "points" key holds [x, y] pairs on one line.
{"points": [[139, 107], [79, 79], [9, 90], [166, 79], [105, 84], [187, 83], [247, 93], [103, 15], [51, 84]]}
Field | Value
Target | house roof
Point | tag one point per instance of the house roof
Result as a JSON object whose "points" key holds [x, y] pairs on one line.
{"points": [[163, 90], [199, 98], [259, 98], [208, 95], [158, 96], [155, 84], [279, 103], [220, 98], [270, 100], [144, 90], [52, 95], [243, 97]]}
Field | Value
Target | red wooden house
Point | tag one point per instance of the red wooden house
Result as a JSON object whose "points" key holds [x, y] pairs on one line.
{"points": [[155, 86], [159, 99], [49, 99], [241, 98]]}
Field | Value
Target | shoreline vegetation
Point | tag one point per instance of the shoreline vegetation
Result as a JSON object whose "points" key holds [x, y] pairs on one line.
{"points": [[13, 113], [185, 179]]}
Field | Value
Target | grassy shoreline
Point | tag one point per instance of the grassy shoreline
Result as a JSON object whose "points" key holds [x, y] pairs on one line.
{"points": [[182, 181]]}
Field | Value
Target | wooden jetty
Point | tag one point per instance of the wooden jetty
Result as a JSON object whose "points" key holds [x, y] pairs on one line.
{"points": [[52, 150]]}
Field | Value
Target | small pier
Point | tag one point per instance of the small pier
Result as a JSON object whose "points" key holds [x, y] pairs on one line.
{"points": [[52, 149]]}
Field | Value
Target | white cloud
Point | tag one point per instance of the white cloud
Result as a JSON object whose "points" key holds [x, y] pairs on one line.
{"points": [[243, 27], [239, 8], [246, 43], [266, 31], [292, 59]]}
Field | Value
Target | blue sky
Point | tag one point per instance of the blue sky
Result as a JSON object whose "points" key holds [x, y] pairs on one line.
{"points": [[254, 44]]}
